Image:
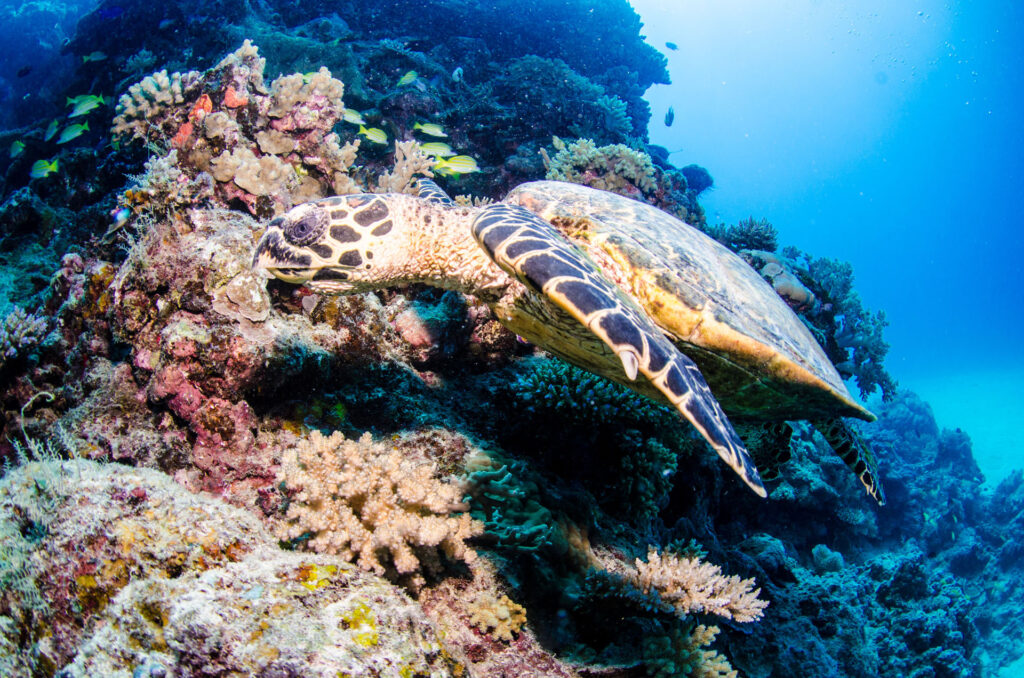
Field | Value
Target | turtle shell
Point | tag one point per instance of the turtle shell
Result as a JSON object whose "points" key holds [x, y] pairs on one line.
{"points": [[759, 359]]}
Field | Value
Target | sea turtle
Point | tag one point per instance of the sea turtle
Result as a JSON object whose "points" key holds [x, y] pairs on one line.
{"points": [[607, 283]]}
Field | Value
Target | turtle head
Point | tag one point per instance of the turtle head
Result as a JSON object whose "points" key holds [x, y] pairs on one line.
{"points": [[335, 246]]}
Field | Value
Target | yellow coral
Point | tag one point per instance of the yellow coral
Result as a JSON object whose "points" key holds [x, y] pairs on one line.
{"points": [[501, 616], [362, 499]]}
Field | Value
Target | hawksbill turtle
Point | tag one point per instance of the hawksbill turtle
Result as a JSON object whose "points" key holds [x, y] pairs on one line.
{"points": [[612, 285]]}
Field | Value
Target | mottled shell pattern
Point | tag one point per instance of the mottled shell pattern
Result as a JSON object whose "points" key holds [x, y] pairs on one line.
{"points": [[756, 354]]}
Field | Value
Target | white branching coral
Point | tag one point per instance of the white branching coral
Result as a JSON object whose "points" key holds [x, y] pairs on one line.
{"points": [[410, 162], [364, 500], [692, 585]]}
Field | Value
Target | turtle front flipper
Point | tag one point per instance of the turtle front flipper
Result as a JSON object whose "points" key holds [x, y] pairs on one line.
{"points": [[431, 192], [854, 452], [529, 248]]}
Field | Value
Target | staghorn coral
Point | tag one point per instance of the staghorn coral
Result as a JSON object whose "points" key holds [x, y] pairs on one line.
{"points": [[361, 499], [690, 586], [617, 168], [410, 162]]}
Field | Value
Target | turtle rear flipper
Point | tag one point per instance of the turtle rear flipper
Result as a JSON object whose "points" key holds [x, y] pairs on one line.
{"points": [[852, 449], [529, 248]]}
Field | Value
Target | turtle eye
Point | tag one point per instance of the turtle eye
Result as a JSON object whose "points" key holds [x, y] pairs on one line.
{"points": [[304, 231]]}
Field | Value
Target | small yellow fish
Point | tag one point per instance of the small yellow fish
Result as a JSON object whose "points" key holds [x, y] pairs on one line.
{"points": [[407, 79], [431, 128], [17, 147], [459, 164], [43, 168], [83, 107], [353, 116], [98, 98], [437, 149], [72, 132], [94, 56], [51, 130], [374, 134]]}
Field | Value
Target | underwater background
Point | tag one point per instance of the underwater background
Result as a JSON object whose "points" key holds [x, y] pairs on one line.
{"points": [[887, 132], [209, 473]]}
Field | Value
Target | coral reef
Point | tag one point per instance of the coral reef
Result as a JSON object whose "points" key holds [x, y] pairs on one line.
{"points": [[597, 535], [134, 573]]}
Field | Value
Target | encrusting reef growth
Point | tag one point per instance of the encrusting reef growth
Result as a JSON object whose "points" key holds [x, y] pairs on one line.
{"points": [[212, 474]]}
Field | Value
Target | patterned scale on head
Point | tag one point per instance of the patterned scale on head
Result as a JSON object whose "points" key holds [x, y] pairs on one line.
{"points": [[329, 244]]}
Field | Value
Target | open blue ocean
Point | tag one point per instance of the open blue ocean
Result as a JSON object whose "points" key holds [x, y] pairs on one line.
{"points": [[534, 338]]}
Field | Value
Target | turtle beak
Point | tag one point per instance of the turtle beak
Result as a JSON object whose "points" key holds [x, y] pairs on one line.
{"points": [[275, 257]]}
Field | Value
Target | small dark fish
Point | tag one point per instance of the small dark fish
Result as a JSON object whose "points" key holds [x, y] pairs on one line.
{"points": [[670, 117], [672, 46], [24, 70]]}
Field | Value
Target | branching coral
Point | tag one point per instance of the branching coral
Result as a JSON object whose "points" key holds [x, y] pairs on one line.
{"points": [[20, 332], [139, 110], [410, 162], [680, 652], [691, 585], [751, 234], [363, 499]]}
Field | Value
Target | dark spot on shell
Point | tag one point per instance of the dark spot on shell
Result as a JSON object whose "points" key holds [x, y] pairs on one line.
{"points": [[383, 229], [330, 274], [350, 258], [343, 233], [375, 212], [322, 251], [369, 254]]}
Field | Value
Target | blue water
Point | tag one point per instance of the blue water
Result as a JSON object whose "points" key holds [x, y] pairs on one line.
{"points": [[888, 135]]}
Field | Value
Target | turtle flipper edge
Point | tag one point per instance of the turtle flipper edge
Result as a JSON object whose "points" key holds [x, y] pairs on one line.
{"points": [[854, 452], [431, 192], [529, 248]]}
